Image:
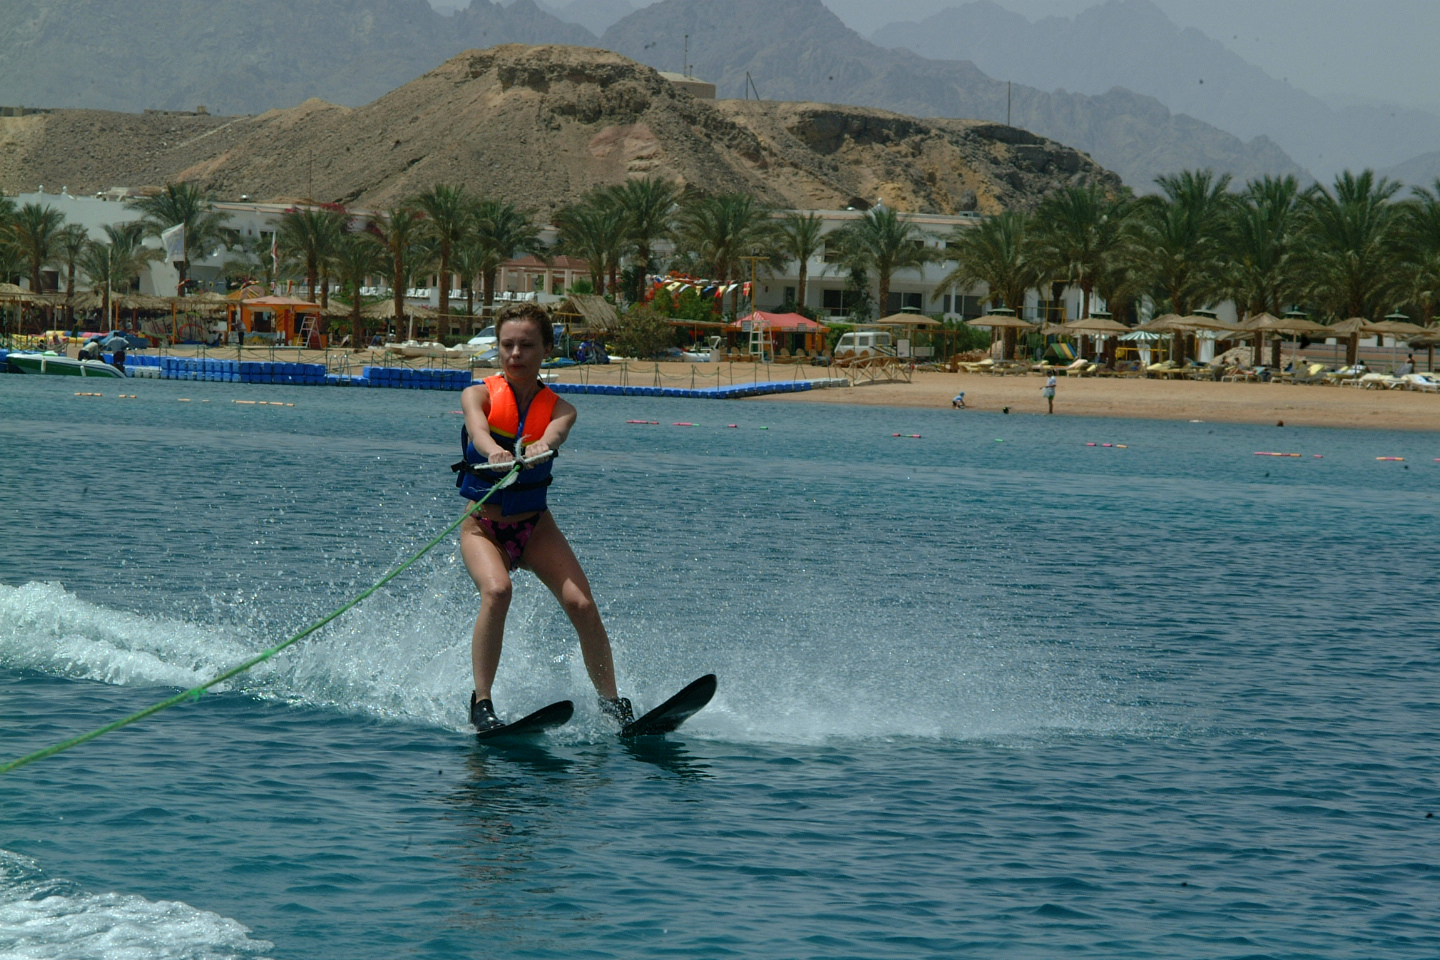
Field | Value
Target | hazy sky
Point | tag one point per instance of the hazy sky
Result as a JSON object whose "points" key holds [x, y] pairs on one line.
{"points": [[1339, 50]]}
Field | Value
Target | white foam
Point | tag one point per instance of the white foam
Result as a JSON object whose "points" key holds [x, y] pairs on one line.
{"points": [[404, 655], [46, 919]]}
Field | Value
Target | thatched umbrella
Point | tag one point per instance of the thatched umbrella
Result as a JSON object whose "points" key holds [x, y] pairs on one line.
{"points": [[385, 310], [1004, 319], [1351, 330], [1267, 324]]}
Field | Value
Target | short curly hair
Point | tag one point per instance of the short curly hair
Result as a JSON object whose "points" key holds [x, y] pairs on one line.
{"points": [[532, 312]]}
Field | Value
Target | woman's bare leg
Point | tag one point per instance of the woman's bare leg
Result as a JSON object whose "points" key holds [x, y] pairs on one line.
{"points": [[548, 554], [487, 567]]}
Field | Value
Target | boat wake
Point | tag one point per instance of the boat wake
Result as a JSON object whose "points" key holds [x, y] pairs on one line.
{"points": [[42, 917]]}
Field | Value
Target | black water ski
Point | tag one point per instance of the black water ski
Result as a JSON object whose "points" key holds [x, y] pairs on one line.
{"points": [[557, 714], [673, 712]]}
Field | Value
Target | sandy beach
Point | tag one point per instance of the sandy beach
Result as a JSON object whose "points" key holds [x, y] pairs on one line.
{"points": [[1268, 403], [1305, 405]]}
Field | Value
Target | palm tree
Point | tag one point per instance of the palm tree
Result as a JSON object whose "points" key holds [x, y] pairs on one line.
{"points": [[1420, 240], [357, 257], [1178, 238], [1348, 252], [800, 238], [73, 238], [250, 260], [883, 241], [722, 231], [36, 232], [1260, 273], [502, 230], [311, 236], [449, 222], [116, 263], [1077, 233], [398, 230], [995, 252], [594, 230], [648, 203], [187, 205]]}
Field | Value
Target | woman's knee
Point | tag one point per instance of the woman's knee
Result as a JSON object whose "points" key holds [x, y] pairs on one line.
{"points": [[496, 592], [578, 604]]}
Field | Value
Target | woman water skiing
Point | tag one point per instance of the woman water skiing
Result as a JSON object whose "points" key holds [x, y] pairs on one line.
{"points": [[513, 528]]}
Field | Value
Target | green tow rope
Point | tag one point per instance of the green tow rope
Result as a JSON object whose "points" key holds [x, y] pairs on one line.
{"points": [[194, 692]]}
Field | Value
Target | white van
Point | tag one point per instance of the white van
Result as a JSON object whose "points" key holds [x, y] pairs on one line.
{"points": [[866, 343]]}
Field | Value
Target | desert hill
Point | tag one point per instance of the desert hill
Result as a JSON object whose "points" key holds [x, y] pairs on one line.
{"points": [[541, 126]]}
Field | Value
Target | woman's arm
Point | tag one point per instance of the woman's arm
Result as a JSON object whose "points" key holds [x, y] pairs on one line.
{"points": [[561, 420]]}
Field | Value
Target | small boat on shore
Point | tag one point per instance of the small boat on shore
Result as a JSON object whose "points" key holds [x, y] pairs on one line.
{"points": [[56, 365]]}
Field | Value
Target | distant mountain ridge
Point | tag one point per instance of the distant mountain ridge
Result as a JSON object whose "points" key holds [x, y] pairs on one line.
{"points": [[800, 50], [243, 58], [1134, 44]]}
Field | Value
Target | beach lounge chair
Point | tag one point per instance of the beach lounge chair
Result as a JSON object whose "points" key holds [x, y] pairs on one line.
{"points": [[1309, 373], [1423, 382], [1163, 370]]}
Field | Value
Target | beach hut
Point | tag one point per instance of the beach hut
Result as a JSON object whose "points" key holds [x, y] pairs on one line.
{"points": [[587, 314], [279, 315]]}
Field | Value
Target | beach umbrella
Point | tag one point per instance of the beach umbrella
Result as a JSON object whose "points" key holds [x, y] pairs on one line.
{"points": [[907, 320], [1095, 326], [1267, 324], [1000, 321], [1003, 320]]}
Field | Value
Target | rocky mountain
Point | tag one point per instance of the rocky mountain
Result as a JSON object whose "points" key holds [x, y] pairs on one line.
{"points": [[242, 57], [1134, 44], [799, 50], [541, 126]]}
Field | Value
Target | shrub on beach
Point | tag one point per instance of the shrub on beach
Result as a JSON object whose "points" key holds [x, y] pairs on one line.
{"points": [[643, 332]]}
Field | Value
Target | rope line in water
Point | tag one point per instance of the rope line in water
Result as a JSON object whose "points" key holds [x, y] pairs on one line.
{"points": [[194, 692]]}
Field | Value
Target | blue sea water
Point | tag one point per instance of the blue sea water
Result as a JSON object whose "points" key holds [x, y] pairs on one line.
{"points": [[986, 692]]}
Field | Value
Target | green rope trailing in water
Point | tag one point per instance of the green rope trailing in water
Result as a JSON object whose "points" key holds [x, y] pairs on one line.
{"points": [[194, 692]]}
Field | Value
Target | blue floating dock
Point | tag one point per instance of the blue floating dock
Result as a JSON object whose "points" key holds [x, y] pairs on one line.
{"points": [[732, 392], [424, 378]]}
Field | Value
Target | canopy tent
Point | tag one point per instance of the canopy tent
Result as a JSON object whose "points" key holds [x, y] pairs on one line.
{"points": [[778, 322]]}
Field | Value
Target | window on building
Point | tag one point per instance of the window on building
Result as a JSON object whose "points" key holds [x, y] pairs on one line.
{"points": [[837, 302], [899, 302]]}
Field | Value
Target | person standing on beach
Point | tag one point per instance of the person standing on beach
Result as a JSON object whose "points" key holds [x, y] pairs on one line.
{"points": [[514, 528], [1048, 392]]}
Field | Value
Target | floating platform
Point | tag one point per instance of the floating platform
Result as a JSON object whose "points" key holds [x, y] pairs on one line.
{"points": [[407, 378]]}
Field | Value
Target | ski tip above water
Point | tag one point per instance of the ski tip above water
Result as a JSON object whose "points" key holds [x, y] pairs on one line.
{"points": [[673, 712], [555, 715]]}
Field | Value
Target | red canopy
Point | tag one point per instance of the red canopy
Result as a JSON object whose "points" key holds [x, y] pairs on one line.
{"points": [[783, 322]]}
